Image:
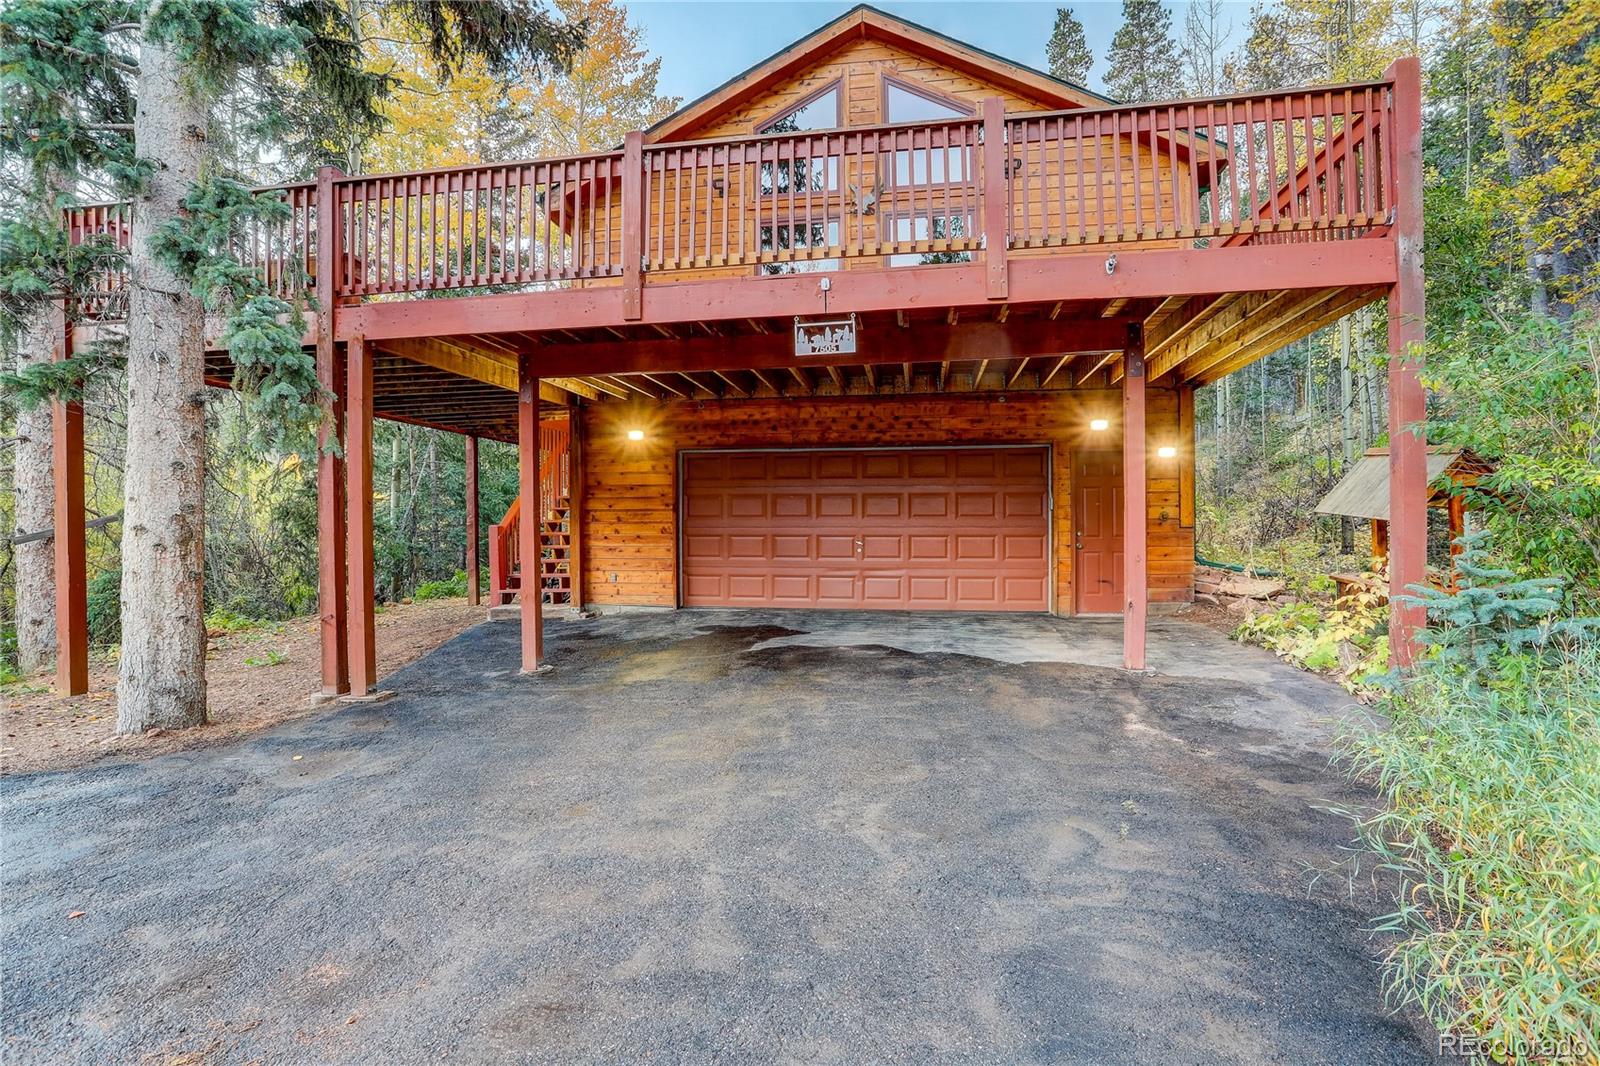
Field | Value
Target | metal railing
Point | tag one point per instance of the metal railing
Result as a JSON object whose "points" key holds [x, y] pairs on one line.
{"points": [[1313, 164]]}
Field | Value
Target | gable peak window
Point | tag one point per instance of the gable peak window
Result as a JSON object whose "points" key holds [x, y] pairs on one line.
{"points": [[902, 103], [819, 111]]}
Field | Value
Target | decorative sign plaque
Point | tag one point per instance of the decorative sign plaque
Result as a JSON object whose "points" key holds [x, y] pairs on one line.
{"points": [[831, 336]]}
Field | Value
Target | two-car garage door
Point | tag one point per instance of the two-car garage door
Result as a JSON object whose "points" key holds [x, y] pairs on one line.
{"points": [[925, 529]]}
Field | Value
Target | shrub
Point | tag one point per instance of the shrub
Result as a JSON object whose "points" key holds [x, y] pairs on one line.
{"points": [[1489, 769], [448, 588], [105, 607]]}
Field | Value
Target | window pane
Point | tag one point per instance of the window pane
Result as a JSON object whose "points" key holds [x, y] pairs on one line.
{"points": [[911, 167], [821, 113], [907, 106]]}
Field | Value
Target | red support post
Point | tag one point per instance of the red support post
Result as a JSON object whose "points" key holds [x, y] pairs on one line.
{"points": [[996, 199], [531, 591], [72, 578], [358, 495], [1408, 460], [575, 501], [633, 225], [1135, 580], [474, 595], [331, 604]]}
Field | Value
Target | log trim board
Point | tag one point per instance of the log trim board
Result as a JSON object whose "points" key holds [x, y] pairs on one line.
{"points": [[631, 488], [926, 529]]}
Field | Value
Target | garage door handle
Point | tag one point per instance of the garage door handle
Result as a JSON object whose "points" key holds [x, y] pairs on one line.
{"points": [[860, 544]]}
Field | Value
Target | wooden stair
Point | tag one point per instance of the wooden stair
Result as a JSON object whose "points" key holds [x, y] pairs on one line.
{"points": [[554, 568]]}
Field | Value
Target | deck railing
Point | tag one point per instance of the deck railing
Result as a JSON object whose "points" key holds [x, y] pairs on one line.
{"points": [[1312, 164]]}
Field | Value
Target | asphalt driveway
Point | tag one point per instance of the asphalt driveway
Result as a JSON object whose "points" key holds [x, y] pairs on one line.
{"points": [[717, 836]]}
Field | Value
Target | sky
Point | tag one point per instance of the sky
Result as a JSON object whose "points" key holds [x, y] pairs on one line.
{"points": [[703, 44]]}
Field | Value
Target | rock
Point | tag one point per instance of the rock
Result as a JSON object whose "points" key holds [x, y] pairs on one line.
{"points": [[1206, 597]]}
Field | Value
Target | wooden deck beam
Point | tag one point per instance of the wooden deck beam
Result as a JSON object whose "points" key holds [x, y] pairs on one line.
{"points": [[1154, 273]]}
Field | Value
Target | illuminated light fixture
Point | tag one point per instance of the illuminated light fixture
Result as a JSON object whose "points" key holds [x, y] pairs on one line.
{"points": [[1166, 451], [636, 434], [1099, 425]]}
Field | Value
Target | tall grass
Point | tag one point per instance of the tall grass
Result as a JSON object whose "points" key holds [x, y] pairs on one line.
{"points": [[1490, 830]]}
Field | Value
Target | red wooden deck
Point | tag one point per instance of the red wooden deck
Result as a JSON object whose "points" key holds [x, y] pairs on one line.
{"points": [[468, 297]]}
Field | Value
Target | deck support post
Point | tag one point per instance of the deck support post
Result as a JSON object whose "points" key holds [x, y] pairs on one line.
{"points": [[531, 590], [331, 602], [633, 225], [474, 595], [1408, 411], [996, 207], [358, 495], [575, 501], [71, 557], [1135, 581]]}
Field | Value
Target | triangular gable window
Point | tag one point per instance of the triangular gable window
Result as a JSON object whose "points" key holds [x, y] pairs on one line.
{"points": [[819, 112], [905, 104]]}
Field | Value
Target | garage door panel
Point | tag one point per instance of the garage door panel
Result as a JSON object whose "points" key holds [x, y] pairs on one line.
{"points": [[840, 465], [922, 529], [836, 548], [836, 505], [791, 547], [745, 546], [791, 505], [978, 547], [975, 505], [877, 548], [882, 505], [1024, 548]]}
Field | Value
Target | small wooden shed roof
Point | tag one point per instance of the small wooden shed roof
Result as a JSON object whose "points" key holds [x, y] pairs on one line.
{"points": [[1364, 491]]}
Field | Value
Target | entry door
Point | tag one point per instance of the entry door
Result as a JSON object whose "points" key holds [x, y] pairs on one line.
{"points": [[940, 529], [1097, 531]]}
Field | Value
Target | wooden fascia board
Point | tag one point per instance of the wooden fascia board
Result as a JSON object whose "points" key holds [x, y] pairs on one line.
{"points": [[966, 341], [1154, 273]]}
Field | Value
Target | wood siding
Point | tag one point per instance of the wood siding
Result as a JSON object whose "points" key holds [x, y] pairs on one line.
{"points": [[630, 512]]}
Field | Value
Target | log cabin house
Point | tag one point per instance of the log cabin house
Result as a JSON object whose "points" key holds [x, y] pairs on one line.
{"points": [[884, 321]]}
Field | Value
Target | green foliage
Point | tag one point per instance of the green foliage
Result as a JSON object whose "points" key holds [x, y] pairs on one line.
{"points": [[1492, 614], [1524, 391], [449, 588], [1142, 63], [105, 607], [229, 620], [1067, 50], [1348, 639], [270, 657], [1490, 831]]}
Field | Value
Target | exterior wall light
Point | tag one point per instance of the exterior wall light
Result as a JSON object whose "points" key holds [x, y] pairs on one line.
{"points": [[636, 434], [1099, 425], [1166, 451]]}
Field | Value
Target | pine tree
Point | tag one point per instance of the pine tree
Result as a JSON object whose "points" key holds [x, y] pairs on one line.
{"points": [[194, 61], [1068, 49], [1143, 63]]}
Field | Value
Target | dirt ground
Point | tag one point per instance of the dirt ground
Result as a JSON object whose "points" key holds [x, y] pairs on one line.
{"points": [[256, 678]]}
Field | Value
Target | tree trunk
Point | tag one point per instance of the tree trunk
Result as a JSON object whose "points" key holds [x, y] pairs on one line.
{"points": [[35, 503], [162, 676]]}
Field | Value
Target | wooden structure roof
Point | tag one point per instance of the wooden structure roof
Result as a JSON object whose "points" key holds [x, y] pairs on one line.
{"points": [[1363, 492]]}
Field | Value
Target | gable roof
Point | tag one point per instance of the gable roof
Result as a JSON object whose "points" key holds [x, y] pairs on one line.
{"points": [[864, 22]]}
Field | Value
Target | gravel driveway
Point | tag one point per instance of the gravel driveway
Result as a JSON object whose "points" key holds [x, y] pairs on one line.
{"points": [[716, 836]]}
